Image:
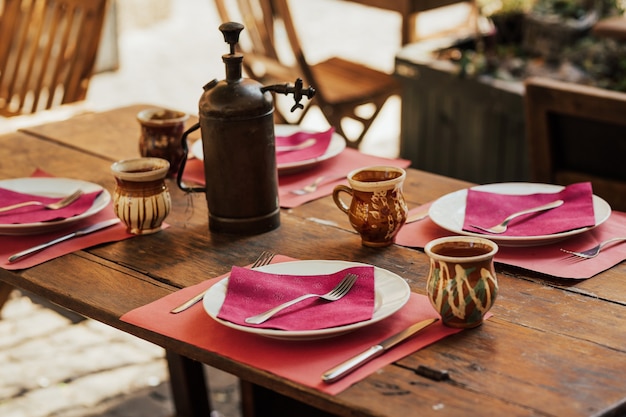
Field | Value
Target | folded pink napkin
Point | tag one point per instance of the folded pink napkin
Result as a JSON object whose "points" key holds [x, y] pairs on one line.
{"points": [[322, 140], [34, 214], [252, 292], [488, 209], [302, 362], [546, 259]]}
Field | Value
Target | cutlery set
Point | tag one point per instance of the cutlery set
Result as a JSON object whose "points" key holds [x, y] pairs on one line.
{"points": [[595, 251], [265, 258], [312, 187], [64, 202], [378, 349], [81, 232]]}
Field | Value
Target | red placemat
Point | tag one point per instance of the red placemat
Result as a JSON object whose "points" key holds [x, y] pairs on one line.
{"points": [[300, 361], [546, 259]]}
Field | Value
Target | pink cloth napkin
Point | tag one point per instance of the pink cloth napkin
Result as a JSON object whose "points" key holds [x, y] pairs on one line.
{"points": [[546, 259], [34, 214], [322, 140], [487, 209], [302, 362], [252, 292]]}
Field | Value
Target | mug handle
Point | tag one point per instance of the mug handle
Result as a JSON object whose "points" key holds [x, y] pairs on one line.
{"points": [[338, 201]]}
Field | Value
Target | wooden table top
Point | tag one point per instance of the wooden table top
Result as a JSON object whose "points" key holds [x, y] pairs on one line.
{"points": [[553, 347]]}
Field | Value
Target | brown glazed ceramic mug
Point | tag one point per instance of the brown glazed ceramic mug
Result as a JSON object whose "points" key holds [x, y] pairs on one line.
{"points": [[462, 283], [141, 199], [161, 133], [377, 210]]}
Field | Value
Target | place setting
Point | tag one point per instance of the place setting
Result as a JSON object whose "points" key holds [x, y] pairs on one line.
{"points": [[328, 324], [542, 222], [43, 217], [307, 319]]}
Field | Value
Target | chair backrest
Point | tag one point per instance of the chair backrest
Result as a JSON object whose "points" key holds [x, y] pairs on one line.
{"points": [[577, 133], [47, 52], [272, 52]]}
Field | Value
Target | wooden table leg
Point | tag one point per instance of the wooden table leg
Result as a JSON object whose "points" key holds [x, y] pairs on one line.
{"points": [[257, 401], [188, 384], [5, 291]]}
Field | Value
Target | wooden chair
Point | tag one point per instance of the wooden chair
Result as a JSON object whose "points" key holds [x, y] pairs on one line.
{"points": [[47, 52], [345, 90], [577, 133]]}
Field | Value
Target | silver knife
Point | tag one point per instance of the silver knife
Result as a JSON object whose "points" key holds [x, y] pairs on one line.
{"points": [[351, 364], [90, 229]]}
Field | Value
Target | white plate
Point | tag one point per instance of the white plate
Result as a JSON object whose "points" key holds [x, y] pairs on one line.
{"points": [[448, 212], [52, 187], [336, 146], [391, 293]]}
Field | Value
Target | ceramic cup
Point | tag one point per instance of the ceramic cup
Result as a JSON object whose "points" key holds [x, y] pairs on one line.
{"points": [[377, 209], [141, 199], [462, 283], [161, 132]]}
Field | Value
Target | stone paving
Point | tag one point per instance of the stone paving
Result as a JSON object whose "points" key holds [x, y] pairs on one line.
{"points": [[54, 363]]}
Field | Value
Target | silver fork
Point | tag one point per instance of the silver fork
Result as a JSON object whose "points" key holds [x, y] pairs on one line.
{"points": [[501, 228], [311, 188], [264, 259], [64, 202], [335, 294], [593, 252]]}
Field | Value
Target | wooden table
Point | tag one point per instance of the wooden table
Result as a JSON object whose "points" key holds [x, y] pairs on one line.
{"points": [[552, 348], [409, 9]]}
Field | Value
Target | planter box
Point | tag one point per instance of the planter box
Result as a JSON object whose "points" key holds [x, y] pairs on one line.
{"points": [[548, 36], [466, 128]]}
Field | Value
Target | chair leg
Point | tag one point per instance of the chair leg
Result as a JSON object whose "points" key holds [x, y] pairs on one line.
{"points": [[188, 385], [5, 292], [334, 116]]}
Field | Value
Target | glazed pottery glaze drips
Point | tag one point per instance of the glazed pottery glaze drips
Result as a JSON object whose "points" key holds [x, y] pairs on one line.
{"points": [[141, 199], [377, 210], [462, 284]]}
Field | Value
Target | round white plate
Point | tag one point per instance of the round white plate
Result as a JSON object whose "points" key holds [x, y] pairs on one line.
{"points": [[391, 293], [336, 146], [448, 212], [52, 187]]}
